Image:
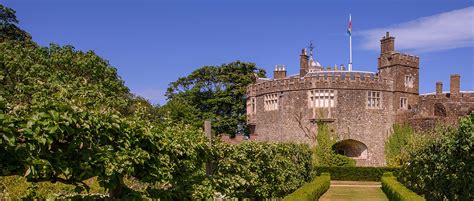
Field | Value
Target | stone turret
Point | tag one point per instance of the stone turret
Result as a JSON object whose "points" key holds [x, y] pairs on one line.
{"points": [[439, 88], [455, 88], [304, 64], [387, 43]]}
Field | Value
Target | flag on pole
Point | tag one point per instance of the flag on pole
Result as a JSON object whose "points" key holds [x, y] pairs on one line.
{"points": [[349, 29]]}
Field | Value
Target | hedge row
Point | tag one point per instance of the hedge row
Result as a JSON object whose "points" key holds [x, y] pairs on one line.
{"points": [[355, 173], [311, 191], [396, 191], [260, 170]]}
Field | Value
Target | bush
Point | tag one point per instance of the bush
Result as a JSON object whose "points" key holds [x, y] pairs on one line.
{"points": [[323, 153], [311, 191], [443, 169], [260, 170], [355, 173], [396, 191], [396, 144]]}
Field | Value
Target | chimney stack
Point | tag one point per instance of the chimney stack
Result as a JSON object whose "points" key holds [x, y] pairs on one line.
{"points": [[304, 65], [455, 88], [387, 44], [439, 88], [279, 72]]}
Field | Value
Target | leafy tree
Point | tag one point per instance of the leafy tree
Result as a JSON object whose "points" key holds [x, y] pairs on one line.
{"points": [[217, 93], [66, 116], [8, 26], [443, 169]]}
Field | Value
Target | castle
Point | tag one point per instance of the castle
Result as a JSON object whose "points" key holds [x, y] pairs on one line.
{"points": [[361, 107]]}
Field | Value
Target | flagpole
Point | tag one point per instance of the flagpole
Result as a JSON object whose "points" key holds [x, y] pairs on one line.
{"points": [[350, 45]]}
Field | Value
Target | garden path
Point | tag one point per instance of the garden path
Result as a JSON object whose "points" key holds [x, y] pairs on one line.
{"points": [[354, 190]]}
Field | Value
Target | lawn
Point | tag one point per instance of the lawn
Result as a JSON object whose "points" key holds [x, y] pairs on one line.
{"points": [[347, 190]]}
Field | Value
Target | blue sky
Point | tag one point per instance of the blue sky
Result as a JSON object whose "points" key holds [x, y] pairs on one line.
{"points": [[152, 43]]}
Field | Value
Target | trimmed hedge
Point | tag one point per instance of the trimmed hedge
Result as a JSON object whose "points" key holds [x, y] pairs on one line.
{"points": [[396, 191], [311, 191], [356, 173]]}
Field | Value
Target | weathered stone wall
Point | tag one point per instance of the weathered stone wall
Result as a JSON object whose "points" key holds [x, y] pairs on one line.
{"points": [[436, 109], [350, 118]]}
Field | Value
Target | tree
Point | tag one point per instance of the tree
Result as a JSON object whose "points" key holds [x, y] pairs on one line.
{"points": [[217, 93], [443, 168], [8, 26]]}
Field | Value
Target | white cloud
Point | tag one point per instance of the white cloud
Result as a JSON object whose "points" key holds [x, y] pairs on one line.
{"points": [[449, 30]]}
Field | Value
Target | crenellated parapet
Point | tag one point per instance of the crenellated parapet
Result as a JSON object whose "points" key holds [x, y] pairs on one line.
{"points": [[397, 58], [328, 80]]}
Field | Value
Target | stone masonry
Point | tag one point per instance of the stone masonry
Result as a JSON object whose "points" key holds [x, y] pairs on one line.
{"points": [[361, 107]]}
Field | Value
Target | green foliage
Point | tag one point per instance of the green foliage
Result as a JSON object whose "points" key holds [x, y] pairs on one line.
{"points": [[15, 187], [323, 153], [397, 144], [8, 26], [443, 169], [216, 93], [356, 173], [396, 191], [260, 170], [66, 116], [311, 191]]}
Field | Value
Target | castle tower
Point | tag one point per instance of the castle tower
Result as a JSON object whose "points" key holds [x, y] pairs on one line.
{"points": [[304, 65], [403, 70]]}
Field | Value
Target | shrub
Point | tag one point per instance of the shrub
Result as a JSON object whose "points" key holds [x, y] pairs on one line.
{"points": [[355, 173], [396, 191], [443, 169], [311, 191], [260, 170], [397, 143], [323, 153]]}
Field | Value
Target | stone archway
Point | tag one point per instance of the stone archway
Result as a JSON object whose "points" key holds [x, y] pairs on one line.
{"points": [[351, 148]]}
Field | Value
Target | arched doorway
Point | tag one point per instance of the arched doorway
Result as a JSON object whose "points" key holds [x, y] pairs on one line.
{"points": [[351, 148]]}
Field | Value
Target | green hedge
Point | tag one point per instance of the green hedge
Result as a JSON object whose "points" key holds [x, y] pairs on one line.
{"points": [[260, 170], [311, 191], [396, 191], [355, 173]]}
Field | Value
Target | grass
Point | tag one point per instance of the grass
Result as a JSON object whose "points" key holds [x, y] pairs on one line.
{"points": [[348, 191]]}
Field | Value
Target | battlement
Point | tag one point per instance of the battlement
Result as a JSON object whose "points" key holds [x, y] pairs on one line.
{"points": [[397, 58], [405, 59], [323, 80]]}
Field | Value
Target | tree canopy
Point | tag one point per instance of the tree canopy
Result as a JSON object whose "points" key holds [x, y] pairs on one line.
{"points": [[8, 26], [216, 93]]}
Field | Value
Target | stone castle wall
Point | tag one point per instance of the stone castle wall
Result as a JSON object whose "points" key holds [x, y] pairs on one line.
{"points": [[361, 130], [349, 118]]}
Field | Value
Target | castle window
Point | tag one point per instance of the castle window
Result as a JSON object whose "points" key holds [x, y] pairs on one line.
{"points": [[409, 81], [323, 98], [374, 99], [251, 105], [271, 102], [404, 103]]}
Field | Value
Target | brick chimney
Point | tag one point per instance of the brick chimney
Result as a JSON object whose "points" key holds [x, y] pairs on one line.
{"points": [[304, 65], [455, 88], [387, 44], [279, 72], [439, 88]]}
